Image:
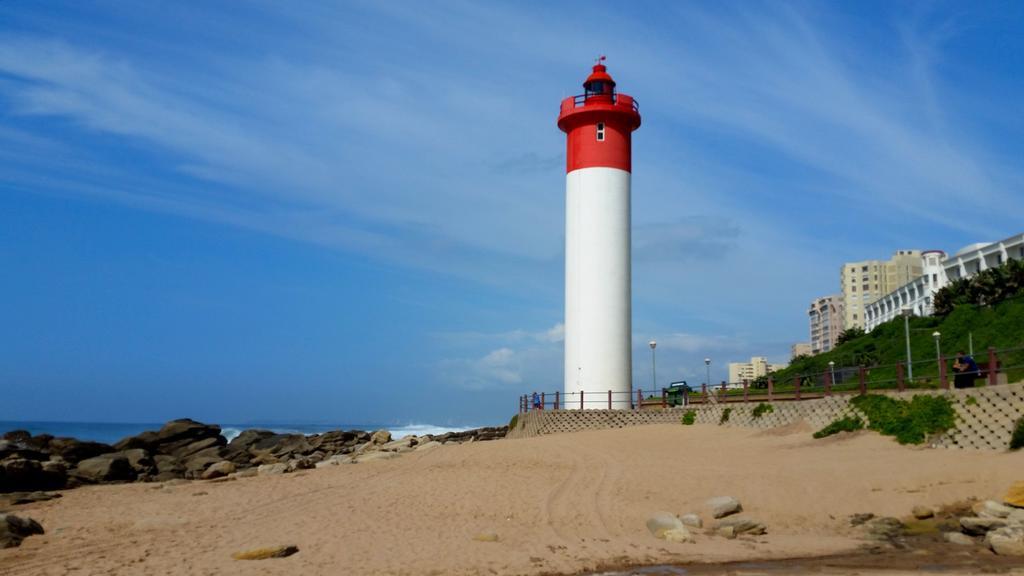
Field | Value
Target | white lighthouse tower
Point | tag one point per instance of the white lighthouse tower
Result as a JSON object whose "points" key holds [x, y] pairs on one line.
{"points": [[598, 310]]}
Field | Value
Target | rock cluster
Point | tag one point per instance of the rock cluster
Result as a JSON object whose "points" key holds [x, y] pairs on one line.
{"points": [[999, 526], [186, 449], [668, 526]]}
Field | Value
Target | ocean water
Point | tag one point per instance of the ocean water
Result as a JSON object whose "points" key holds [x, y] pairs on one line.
{"points": [[110, 432]]}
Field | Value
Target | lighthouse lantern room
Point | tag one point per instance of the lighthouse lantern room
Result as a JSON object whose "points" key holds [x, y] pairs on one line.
{"points": [[598, 312]]}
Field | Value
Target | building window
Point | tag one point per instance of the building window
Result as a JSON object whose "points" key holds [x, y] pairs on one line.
{"points": [[600, 131]]}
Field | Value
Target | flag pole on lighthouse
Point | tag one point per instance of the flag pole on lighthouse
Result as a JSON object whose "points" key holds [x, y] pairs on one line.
{"points": [[598, 309]]}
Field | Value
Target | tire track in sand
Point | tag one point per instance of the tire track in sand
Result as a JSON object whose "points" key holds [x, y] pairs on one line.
{"points": [[584, 497]]}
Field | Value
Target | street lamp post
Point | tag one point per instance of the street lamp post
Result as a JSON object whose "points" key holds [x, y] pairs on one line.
{"points": [[832, 371], [654, 374], [707, 366], [907, 312], [938, 349]]}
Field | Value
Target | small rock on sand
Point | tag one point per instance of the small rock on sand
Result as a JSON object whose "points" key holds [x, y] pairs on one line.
{"points": [[959, 538], [741, 525], [885, 528], [1007, 541], [265, 553], [858, 519], [922, 512], [691, 521], [979, 526], [992, 509], [722, 506], [661, 522], [678, 535], [267, 469], [370, 457], [218, 470], [17, 498], [14, 529]]}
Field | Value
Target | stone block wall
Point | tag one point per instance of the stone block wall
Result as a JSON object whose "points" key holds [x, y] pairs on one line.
{"points": [[985, 416]]}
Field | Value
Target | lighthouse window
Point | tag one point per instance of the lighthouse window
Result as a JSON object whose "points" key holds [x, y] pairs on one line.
{"points": [[600, 131]]}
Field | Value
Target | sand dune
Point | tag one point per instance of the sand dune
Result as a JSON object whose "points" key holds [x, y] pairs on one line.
{"points": [[558, 504]]}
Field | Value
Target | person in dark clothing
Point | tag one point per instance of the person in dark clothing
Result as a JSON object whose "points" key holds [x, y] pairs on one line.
{"points": [[965, 370], [536, 401]]}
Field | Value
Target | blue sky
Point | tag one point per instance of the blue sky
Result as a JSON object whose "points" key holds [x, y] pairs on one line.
{"points": [[353, 212]]}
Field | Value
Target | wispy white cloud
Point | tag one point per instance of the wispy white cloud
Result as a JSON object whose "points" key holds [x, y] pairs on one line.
{"points": [[774, 145]]}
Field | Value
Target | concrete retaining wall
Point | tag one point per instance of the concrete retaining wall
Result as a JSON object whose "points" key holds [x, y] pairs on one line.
{"points": [[984, 423]]}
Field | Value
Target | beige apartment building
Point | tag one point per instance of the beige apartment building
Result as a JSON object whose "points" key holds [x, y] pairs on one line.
{"points": [[864, 282], [758, 366], [800, 349], [827, 320]]}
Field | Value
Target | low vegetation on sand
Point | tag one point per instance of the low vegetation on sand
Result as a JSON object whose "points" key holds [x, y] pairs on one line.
{"points": [[725, 416], [910, 422], [844, 424]]}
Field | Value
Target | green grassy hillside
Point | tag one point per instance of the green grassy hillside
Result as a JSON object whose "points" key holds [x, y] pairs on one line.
{"points": [[1000, 326]]}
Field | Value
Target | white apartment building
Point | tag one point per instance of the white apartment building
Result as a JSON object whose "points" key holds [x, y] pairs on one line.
{"points": [[917, 296], [864, 282], [758, 366], [827, 321]]}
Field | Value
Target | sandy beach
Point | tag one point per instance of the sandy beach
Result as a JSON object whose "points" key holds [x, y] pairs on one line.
{"points": [[559, 504]]}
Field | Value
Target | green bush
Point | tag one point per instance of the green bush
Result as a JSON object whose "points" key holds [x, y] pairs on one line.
{"points": [[512, 423], [1017, 440], [971, 401], [845, 424], [725, 416], [910, 422], [763, 408], [689, 417]]}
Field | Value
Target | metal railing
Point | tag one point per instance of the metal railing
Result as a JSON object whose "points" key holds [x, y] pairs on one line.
{"points": [[933, 374], [608, 399], [581, 100]]}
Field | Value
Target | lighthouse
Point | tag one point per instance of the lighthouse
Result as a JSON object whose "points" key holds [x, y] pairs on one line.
{"points": [[598, 311]]}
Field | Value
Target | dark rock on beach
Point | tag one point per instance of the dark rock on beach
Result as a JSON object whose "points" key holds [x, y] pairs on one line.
{"points": [[187, 449], [22, 474], [112, 467], [14, 529], [74, 451], [19, 498]]}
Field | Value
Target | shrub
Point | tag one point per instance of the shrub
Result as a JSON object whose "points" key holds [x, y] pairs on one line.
{"points": [[1017, 440], [910, 422], [845, 424], [689, 417], [512, 423], [848, 335], [971, 401], [763, 408], [725, 416]]}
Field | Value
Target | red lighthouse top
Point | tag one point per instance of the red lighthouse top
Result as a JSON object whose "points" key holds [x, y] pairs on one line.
{"points": [[599, 124]]}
